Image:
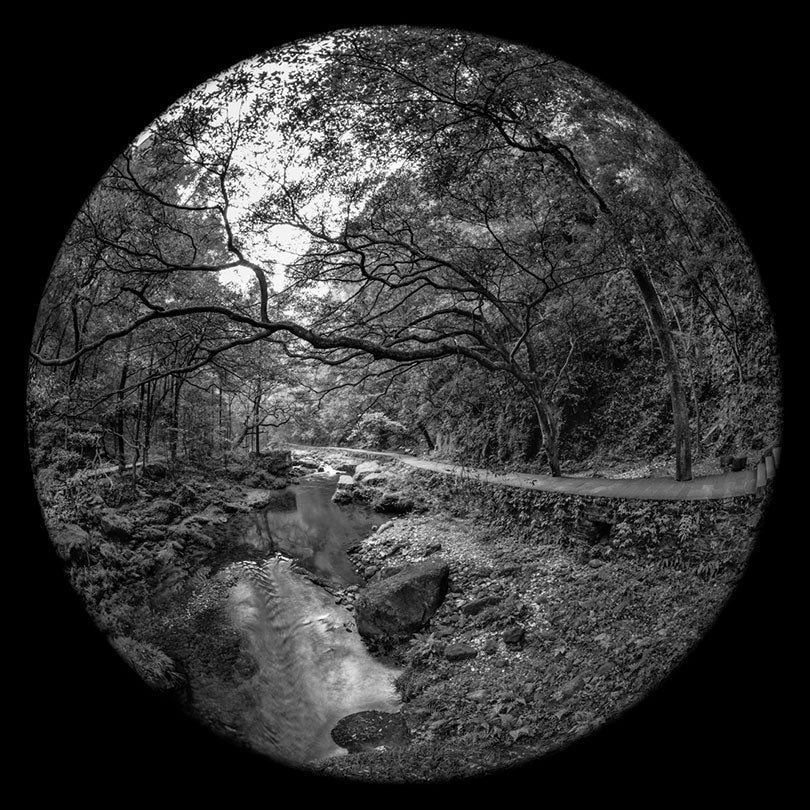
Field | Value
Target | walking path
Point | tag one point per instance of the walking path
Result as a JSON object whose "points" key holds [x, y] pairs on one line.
{"points": [[706, 487]]}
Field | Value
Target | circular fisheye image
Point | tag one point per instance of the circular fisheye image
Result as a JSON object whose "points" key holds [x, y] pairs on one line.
{"points": [[403, 405]]}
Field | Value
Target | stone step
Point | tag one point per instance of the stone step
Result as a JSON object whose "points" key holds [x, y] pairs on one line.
{"points": [[770, 467], [776, 453]]}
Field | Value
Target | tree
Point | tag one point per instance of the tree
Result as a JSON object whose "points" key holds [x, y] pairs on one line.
{"points": [[396, 196], [482, 96]]}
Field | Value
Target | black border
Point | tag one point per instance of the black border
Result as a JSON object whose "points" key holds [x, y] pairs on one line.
{"points": [[87, 85]]}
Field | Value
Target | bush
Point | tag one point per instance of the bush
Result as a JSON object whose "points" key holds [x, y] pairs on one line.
{"points": [[151, 664], [375, 430]]}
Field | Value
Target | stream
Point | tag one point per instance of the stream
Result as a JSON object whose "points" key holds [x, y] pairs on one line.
{"points": [[312, 665], [302, 522]]}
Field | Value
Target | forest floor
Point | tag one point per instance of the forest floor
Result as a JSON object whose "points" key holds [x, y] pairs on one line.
{"points": [[567, 641]]}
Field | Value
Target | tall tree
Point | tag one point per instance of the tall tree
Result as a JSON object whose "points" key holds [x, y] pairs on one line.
{"points": [[400, 196]]}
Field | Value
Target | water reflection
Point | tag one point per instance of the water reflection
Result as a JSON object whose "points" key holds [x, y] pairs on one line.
{"points": [[302, 521]]}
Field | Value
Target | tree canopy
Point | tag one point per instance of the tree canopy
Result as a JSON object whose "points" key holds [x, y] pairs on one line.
{"points": [[440, 222]]}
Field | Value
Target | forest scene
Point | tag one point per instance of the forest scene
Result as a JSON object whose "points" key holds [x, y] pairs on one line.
{"points": [[403, 405]]}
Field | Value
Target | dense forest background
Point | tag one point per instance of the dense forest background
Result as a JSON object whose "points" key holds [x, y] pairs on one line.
{"points": [[699, 112], [404, 240]]}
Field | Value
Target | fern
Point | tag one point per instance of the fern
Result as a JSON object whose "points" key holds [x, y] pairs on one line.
{"points": [[151, 664]]}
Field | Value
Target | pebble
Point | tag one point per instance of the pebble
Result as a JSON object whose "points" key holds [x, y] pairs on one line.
{"points": [[459, 652], [514, 635], [477, 605], [574, 685]]}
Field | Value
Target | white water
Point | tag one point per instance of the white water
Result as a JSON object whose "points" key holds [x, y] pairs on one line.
{"points": [[328, 471], [313, 667]]}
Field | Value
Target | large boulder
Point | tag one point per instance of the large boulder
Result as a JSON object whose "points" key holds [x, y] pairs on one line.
{"points": [[278, 500], [258, 498], [211, 514], [71, 541], [235, 471], [276, 462], [376, 480], [342, 464], [115, 526], [155, 470], [365, 731], [307, 462], [161, 511], [264, 480], [344, 492], [190, 532], [185, 494], [367, 468], [396, 503], [400, 605], [149, 533]]}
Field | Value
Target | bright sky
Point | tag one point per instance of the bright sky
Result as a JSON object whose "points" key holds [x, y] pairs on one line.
{"points": [[281, 244], [266, 160]]}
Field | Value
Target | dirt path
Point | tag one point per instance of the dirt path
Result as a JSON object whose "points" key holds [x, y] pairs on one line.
{"points": [[707, 487]]}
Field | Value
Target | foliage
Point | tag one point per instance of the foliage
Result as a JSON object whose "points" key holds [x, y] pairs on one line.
{"points": [[376, 430], [151, 664], [430, 226]]}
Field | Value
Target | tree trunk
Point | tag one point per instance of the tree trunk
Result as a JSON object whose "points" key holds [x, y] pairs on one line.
{"points": [[683, 451], [148, 421], [76, 366], [680, 409], [58, 351], [257, 429], [119, 410], [549, 423], [534, 439], [137, 434], [220, 437], [174, 420], [428, 440]]}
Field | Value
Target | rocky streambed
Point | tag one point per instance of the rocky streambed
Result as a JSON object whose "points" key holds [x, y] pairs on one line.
{"points": [[217, 587], [443, 648], [511, 648]]}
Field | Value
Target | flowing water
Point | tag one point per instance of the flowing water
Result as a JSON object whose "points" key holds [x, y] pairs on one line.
{"points": [[303, 522], [313, 667]]}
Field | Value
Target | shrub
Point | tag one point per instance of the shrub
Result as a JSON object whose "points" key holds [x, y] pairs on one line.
{"points": [[375, 429], [151, 664]]}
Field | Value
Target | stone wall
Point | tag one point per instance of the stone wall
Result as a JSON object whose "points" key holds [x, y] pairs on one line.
{"points": [[636, 525]]}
